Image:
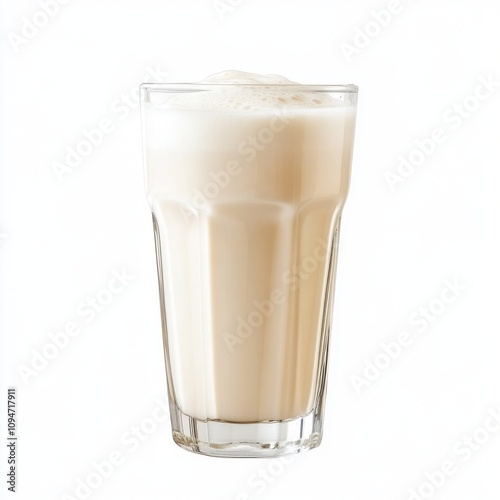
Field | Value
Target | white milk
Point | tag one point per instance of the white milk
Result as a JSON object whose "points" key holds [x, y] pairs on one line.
{"points": [[247, 184]]}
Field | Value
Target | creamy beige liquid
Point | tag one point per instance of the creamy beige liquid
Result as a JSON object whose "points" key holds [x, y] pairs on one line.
{"points": [[247, 186]]}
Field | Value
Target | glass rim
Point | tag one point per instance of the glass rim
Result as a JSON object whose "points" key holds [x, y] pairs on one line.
{"points": [[184, 87]]}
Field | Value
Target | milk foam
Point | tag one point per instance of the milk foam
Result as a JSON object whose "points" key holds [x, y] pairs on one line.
{"points": [[241, 91], [233, 76]]}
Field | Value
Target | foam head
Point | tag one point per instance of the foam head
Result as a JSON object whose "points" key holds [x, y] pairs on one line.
{"points": [[242, 91]]}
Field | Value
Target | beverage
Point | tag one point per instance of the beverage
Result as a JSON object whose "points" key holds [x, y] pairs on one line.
{"points": [[247, 176]]}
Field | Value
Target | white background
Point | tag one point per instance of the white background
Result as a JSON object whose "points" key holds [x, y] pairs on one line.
{"points": [[62, 239]]}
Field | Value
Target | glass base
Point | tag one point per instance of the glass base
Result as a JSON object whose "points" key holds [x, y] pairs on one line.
{"points": [[218, 438]]}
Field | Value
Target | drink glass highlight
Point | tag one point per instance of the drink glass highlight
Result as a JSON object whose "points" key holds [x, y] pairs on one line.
{"points": [[246, 179]]}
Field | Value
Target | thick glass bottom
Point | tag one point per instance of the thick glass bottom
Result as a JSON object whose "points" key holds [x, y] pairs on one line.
{"points": [[245, 440]]}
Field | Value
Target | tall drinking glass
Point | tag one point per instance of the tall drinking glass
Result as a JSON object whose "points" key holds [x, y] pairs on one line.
{"points": [[246, 184]]}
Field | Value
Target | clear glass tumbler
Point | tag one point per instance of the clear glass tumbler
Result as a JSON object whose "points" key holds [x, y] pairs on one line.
{"points": [[246, 184]]}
